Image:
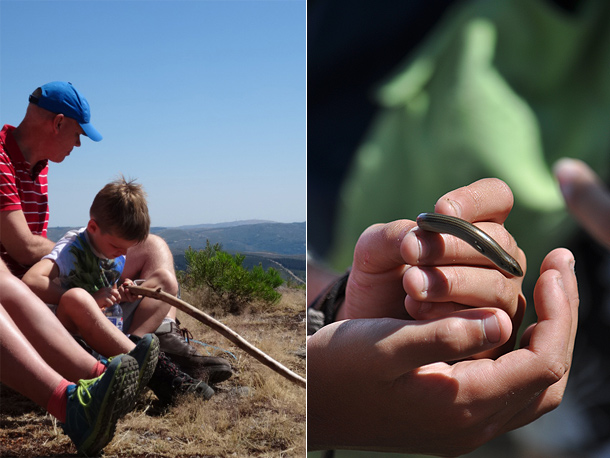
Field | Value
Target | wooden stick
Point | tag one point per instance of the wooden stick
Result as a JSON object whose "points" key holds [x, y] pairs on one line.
{"points": [[222, 329]]}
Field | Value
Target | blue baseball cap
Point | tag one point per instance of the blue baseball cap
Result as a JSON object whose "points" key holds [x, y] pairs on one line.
{"points": [[63, 98]]}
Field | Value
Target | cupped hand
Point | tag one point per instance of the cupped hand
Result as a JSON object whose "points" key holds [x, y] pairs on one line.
{"points": [[385, 384], [403, 272], [125, 294], [106, 297]]}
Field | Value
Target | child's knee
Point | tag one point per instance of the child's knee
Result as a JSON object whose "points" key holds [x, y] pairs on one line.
{"points": [[74, 297], [73, 306]]}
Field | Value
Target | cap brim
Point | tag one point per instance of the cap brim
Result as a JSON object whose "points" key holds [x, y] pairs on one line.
{"points": [[91, 132]]}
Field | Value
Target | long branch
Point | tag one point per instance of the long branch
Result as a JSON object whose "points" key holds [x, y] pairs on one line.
{"points": [[222, 329]]}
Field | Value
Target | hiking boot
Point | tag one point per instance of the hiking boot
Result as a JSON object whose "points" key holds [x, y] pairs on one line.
{"points": [[146, 354], [94, 406], [168, 382], [174, 343]]}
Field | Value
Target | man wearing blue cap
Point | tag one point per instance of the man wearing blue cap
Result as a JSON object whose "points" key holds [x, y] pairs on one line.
{"points": [[54, 121]]}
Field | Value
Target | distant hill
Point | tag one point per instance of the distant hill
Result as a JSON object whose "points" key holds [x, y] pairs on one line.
{"points": [[277, 245], [231, 224]]}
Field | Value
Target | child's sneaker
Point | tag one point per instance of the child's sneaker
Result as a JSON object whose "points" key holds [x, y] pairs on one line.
{"points": [[146, 354], [168, 382], [94, 406]]}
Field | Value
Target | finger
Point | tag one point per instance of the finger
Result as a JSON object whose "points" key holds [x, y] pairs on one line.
{"points": [[563, 261], [549, 343], [127, 295], [378, 248], [587, 198], [402, 346], [471, 286], [488, 199], [374, 288], [538, 372], [424, 248]]}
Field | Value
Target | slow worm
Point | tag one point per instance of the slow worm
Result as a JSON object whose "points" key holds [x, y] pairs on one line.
{"points": [[475, 237]]}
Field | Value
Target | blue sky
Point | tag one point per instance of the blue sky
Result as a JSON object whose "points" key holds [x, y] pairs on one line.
{"points": [[203, 101]]}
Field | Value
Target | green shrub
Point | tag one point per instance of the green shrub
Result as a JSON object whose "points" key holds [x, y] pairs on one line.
{"points": [[226, 277]]}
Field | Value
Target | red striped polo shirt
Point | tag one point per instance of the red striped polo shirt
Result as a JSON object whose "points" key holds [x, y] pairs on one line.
{"points": [[20, 190]]}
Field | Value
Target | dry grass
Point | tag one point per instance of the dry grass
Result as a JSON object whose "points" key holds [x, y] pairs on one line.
{"points": [[255, 413]]}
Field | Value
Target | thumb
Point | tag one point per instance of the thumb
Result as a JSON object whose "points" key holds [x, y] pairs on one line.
{"points": [[586, 197], [387, 348], [455, 337]]}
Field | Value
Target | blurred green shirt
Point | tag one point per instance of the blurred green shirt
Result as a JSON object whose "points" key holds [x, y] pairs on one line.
{"points": [[499, 89]]}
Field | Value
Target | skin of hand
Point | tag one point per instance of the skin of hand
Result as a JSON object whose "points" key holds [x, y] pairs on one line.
{"points": [[400, 271], [384, 384], [586, 196], [125, 294], [106, 297]]}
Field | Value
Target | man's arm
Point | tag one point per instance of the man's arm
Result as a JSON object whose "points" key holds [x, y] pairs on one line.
{"points": [[40, 280], [23, 246]]}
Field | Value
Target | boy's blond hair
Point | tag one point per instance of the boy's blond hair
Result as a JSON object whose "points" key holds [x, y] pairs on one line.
{"points": [[120, 208]]}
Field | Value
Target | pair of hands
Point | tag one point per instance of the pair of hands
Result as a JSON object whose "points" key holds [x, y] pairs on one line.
{"points": [[379, 381], [106, 297], [440, 274]]}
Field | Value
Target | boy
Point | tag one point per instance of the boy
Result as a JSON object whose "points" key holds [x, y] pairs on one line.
{"points": [[79, 279]]}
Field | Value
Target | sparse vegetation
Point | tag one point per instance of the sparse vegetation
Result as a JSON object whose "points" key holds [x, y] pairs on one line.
{"points": [[227, 278], [256, 413]]}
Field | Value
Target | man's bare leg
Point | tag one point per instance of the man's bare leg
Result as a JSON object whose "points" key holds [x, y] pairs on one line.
{"points": [[43, 330]]}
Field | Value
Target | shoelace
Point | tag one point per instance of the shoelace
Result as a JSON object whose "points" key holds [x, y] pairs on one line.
{"points": [[178, 379], [83, 395], [82, 391], [170, 368], [186, 334]]}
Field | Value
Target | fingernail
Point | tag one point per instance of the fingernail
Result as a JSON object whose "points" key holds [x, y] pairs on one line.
{"points": [[559, 280], [418, 283], [424, 284], [492, 328], [456, 206], [412, 242]]}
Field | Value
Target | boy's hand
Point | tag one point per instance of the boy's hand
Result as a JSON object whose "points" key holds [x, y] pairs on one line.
{"points": [[126, 295], [106, 297], [402, 272]]}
